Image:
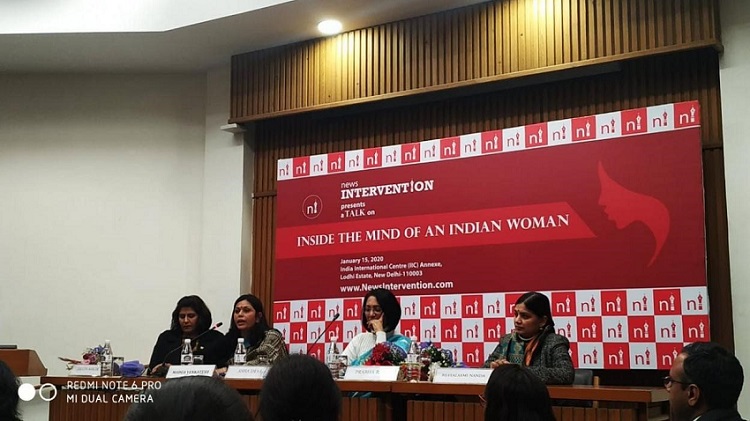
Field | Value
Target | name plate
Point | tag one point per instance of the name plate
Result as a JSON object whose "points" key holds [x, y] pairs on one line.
{"points": [[247, 371], [177, 371], [462, 375], [94, 370], [372, 373]]}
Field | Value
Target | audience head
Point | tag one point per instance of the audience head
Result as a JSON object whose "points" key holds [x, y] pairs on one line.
{"points": [[191, 316], [532, 314], [191, 398], [381, 302], [513, 393], [248, 317], [299, 387], [8, 394], [704, 376]]}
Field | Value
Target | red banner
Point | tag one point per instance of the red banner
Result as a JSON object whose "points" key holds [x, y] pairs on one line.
{"points": [[604, 203]]}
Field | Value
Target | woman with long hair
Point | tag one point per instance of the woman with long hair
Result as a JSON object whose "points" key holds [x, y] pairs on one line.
{"points": [[263, 343], [534, 343]]}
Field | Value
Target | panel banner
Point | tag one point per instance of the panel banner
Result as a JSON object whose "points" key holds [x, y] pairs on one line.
{"points": [[603, 213]]}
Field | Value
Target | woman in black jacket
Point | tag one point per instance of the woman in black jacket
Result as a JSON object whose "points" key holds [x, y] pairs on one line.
{"points": [[190, 318]]}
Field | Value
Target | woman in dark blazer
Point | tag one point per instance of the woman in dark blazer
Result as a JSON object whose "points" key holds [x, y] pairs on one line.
{"points": [[190, 318], [534, 343]]}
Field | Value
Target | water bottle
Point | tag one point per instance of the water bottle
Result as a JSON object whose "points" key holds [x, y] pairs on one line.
{"points": [[332, 358], [240, 353], [413, 355], [413, 363], [186, 356], [107, 359]]}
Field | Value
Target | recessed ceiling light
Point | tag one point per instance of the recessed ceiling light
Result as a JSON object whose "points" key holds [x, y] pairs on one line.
{"points": [[329, 27]]}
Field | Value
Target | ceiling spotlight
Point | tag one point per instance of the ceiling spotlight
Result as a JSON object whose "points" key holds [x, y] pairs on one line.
{"points": [[329, 27]]}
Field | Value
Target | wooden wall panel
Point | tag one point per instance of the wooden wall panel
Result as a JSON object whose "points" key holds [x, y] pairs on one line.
{"points": [[463, 411], [640, 82], [481, 43], [450, 411]]}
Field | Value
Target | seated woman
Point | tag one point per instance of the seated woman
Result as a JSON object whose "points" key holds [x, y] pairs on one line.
{"points": [[190, 318], [299, 388], [534, 343], [263, 344], [381, 313], [514, 394]]}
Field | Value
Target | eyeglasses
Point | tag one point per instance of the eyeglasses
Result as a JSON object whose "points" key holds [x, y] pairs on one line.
{"points": [[669, 380]]}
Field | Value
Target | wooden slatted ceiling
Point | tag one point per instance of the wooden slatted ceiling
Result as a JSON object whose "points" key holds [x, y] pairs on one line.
{"points": [[485, 42], [643, 82]]}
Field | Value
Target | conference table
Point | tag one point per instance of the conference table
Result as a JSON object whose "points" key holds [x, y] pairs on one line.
{"points": [[390, 401]]}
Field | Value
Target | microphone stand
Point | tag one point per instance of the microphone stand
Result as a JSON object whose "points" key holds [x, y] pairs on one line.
{"points": [[335, 317]]}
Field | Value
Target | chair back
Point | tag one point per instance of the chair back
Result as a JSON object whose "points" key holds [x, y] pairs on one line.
{"points": [[584, 377]]}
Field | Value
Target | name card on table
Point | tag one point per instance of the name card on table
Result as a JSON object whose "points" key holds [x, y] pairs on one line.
{"points": [[247, 371], [94, 370], [373, 373], [177, 371], [462, 375]]}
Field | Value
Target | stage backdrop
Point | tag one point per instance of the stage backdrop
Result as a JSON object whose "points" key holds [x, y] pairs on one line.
{"points": [[604, 214]]}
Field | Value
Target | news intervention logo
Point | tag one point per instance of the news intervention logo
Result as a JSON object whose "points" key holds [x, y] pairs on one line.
{"points": [[312, 206], [27, 391]]}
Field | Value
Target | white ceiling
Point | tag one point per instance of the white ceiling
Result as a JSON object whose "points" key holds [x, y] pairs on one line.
{"points": [[82, 16], [197, 47]]}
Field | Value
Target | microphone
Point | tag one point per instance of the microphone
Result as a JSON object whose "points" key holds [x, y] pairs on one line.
{"points": [[335, 317], [214, 327]]}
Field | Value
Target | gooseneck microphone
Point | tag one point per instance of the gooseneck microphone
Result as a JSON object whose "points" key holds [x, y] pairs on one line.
{"points": [[335, 317], [214, 327]]}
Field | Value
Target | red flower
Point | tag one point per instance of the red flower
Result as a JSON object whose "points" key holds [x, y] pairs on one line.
{"points": [[384, 354]]}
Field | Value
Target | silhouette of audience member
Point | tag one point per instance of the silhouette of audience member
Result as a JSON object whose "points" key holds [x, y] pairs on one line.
{"points": [[8, 394], [191, 398], [300, 388], [704, 383], [513, 393]]}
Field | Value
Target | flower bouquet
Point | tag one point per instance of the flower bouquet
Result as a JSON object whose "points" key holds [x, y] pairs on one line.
{"points": [[93, 355], [434, 357], [386, 353]]}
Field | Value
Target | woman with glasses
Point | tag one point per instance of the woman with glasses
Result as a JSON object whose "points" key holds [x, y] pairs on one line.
{"points": [[381, 313], [534, 343]]}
